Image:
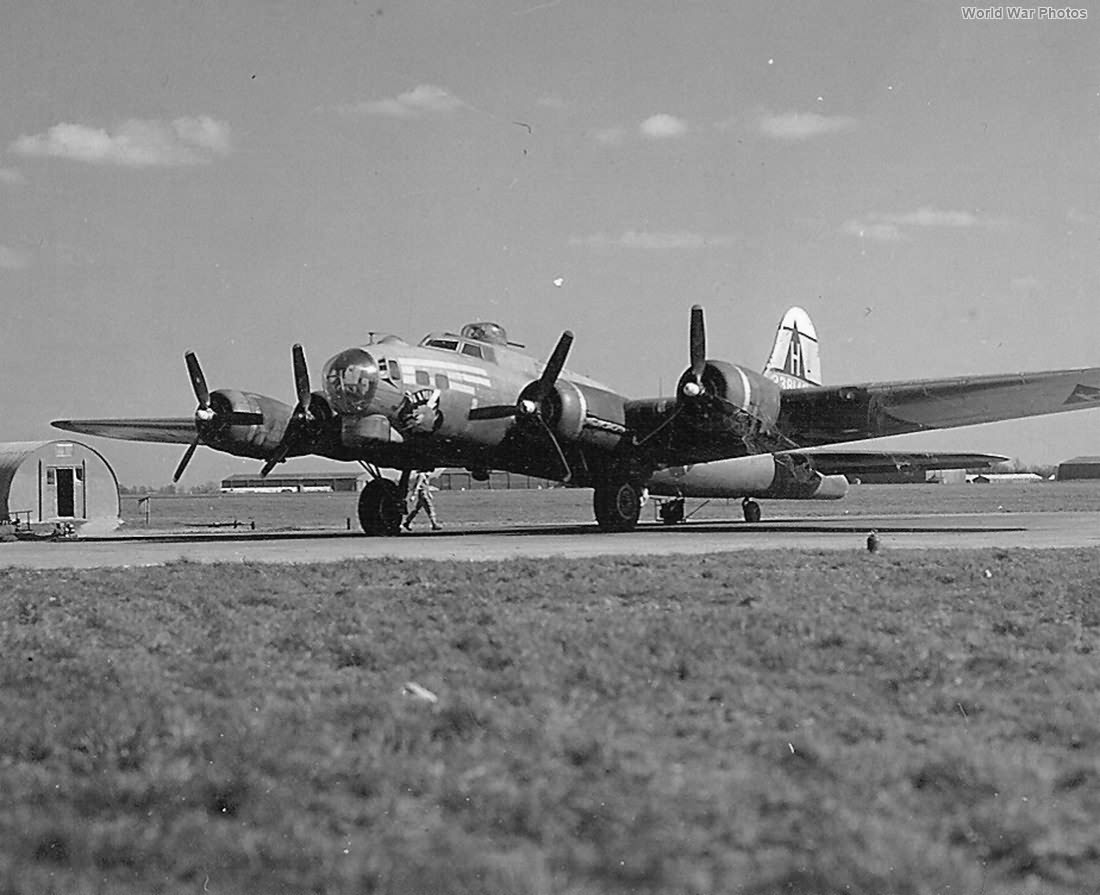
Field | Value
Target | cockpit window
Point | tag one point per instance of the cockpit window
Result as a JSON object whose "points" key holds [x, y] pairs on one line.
{"points": [[445, 344], [471, 350], [493, 333], [395, 371]]}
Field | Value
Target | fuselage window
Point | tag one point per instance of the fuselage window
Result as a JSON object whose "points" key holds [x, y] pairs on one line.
{"points": [[395, 371], [422, 378], [441, 381], [471, 350]]}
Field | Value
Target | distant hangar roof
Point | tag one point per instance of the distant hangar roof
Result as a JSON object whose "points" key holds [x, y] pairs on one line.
{"points": [[1086, 467]]}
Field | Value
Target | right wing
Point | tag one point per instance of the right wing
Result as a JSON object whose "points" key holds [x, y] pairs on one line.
{"points": [[831, 414], [870, 462], [163, 430]]}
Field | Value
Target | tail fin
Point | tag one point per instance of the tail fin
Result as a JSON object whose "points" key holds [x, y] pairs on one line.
{"points": [[794, 361]]}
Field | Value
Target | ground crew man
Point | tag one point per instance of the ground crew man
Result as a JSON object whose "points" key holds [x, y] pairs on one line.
{"points": [[422, 497]]}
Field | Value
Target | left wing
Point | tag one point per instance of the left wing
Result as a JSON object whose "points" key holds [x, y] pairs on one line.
{"points": [[870, 462], [163, 430], [831, 414]]}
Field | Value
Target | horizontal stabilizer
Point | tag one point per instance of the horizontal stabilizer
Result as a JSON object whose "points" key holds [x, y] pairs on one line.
{"points": [[165, 430]]}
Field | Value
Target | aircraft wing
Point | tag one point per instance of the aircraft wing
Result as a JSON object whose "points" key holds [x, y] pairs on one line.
{"points": [[165, 430], [831, 414], [870, 462]]}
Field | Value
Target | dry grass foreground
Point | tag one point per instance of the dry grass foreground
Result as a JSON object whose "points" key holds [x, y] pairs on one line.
{"points": [[778, 722]]}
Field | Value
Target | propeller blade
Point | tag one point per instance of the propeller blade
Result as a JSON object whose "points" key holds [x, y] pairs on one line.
{"points": [[275, 459], [554, 366], [198, 381], [301, 378], [568, 477], [188, 454], [698, 343], [492, 412]]}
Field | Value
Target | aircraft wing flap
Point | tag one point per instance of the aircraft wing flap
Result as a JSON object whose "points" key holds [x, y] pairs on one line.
{"points": [[164, 430], [869, 462], [849, 412]]}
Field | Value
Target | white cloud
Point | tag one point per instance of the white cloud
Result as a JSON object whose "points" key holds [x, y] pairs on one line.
{"points": [[609, 136], [13, 259], [137, 143], [879, 232], [654, 240], [893, 227], [424, 99], [11, 177], [1027, 285], [931, 217], [660, 127], [795, 126]]}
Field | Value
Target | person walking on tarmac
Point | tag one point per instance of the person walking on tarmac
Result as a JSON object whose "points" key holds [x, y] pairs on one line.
{"points": [[422, 495]]}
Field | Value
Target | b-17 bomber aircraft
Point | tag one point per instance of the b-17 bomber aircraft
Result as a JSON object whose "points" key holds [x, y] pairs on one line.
{"points": [[476, 400]]}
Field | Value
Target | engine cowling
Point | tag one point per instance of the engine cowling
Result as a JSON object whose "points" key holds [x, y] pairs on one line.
{"points": [[583, 413], [258, 441], [728, 397], [761, 475]]}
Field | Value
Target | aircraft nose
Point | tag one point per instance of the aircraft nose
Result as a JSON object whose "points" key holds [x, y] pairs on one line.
{"points": [[351, 380]]}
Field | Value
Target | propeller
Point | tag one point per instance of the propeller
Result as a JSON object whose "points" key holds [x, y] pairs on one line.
{"points": [[535, 393], [531, 404], [692, 395], [206, 415], [301, 417]]}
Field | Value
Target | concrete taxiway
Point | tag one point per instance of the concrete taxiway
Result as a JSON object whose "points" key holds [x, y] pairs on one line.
{"points": [[895, 532]]}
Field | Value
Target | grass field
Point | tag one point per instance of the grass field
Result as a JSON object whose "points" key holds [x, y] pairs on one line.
{"points": [[482, 508], [888, 724]]}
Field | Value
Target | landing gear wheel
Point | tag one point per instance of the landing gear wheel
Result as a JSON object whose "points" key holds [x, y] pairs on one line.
{"points": [[381, 508], [617, 505], [751, 509]]}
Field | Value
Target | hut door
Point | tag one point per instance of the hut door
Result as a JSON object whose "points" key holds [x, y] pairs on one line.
{"points": [[66, 491]]}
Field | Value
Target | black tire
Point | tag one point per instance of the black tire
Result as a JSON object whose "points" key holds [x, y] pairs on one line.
{"points": [[751, 509], [381, 508], [617, 505]]}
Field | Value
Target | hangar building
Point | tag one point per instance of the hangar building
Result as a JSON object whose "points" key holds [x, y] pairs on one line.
{"points": [[1079, 468], [57, 481], [281, 482]]}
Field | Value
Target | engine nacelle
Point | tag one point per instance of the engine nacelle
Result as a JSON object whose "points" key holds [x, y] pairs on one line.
{"points": [[258, 441], [780, 476], [584, 413], [732, 398]]}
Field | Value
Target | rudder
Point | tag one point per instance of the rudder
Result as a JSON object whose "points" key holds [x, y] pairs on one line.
{"points": [[795, 361]]}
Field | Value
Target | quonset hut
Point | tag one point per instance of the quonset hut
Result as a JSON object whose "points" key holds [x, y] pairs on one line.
{"points": [[57, 481]]}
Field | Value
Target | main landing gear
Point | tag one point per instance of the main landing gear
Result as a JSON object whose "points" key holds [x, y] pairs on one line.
{"points": [[617, 505], [381, 508], [382, 505]]}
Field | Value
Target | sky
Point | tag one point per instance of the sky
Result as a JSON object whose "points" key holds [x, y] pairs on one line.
{"points": [[231, 178]]}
